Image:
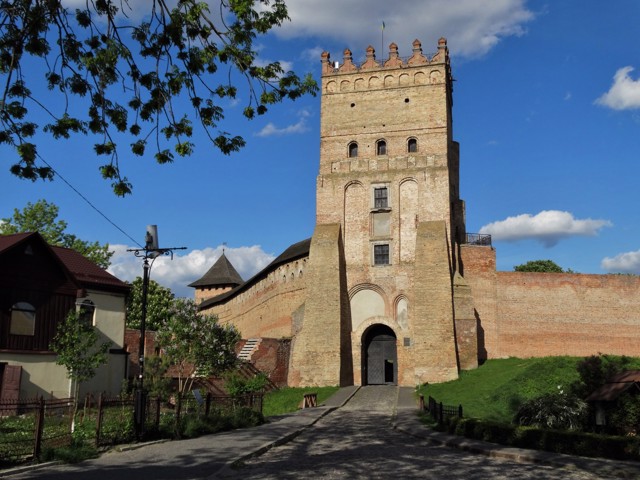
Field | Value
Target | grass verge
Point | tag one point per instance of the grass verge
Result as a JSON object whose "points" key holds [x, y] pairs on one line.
{"points": [[287, 400]]}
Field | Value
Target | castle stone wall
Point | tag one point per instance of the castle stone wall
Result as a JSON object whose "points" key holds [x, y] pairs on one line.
{"points": [[267, 308], [524, 314], [567, 314]]}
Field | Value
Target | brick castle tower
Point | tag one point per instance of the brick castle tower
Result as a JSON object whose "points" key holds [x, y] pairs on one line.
{"points": [[382, 282]]}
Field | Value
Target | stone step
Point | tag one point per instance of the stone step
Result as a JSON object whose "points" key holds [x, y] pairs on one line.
{"points": [[249, 347]]}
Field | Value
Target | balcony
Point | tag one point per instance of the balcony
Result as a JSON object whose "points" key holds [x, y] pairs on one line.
{"points": [[478, 239]]}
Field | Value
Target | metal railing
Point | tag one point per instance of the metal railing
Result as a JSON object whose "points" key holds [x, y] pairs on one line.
{"points": [[478, 239], [438, 410]]}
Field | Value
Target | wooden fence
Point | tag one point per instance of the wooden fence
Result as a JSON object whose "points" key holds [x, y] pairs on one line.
{"points": [[28, 426]]}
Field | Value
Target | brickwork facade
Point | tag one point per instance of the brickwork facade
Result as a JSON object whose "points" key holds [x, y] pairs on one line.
{"points": [[387, 291], [268, 307]]}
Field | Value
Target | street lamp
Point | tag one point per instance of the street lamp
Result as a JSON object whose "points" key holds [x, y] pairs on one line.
{"points": [[150, 251]]}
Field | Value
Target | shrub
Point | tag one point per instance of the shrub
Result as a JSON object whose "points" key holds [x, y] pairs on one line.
{"points": [[553, 410], [237, 386]]}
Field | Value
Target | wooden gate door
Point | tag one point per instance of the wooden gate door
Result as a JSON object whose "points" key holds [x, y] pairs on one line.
{"points": [[381, 356]]}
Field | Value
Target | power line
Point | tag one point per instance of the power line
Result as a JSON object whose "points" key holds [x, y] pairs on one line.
{"points": [[89, 202]]}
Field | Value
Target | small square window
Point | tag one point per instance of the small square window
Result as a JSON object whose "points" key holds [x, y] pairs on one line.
{"points": [[380, 197], [381, 254], [23, 319]]}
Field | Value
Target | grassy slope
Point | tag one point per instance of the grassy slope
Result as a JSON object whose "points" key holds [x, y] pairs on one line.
{"points": [[288, 400], [496, 389]]}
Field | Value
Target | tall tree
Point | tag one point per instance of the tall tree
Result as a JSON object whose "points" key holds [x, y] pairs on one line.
{"points": [[42, 217], [196, 345], [140, 76], [159, 303], [78, 349]]}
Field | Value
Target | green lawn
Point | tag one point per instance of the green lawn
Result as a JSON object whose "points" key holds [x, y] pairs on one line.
{"points": [[495, 390], [288, 400]]}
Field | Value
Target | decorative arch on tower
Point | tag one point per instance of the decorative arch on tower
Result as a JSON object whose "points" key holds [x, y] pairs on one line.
{"points": [[408, 218], [355, 221], [368, 301]]}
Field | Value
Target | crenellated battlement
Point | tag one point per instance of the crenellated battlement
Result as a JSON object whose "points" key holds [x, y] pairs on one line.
{"points": [[394, 60]]}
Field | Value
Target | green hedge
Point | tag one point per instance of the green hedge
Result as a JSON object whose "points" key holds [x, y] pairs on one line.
{"points": [[558, 441]]}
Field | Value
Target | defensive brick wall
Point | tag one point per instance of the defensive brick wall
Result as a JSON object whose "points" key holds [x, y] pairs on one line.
{"points": [[540, 314], [268, 307], [543, 314]]}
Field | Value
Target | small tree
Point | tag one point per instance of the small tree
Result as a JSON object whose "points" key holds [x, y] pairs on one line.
{"points": [[545, 266], [78, 350], [196, 345], [159, 302], [595, 370]]}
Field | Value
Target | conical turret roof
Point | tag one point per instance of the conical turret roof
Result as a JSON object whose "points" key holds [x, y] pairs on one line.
{"points": [[221, 274]]}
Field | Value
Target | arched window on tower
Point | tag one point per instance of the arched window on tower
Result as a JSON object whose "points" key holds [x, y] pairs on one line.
{"points": [[412, 145], [381, 147], [353, 149]]}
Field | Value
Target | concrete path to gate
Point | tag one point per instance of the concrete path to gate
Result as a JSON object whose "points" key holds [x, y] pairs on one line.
{"points": [[230, 454]]}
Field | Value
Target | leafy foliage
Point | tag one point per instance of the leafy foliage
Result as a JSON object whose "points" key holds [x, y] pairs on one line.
{"points": [[159, 302], [78, 349], [237, 386], [196, 345], [42, 217], [143, 80], [595, 370], [557, 410], [548, 266]]}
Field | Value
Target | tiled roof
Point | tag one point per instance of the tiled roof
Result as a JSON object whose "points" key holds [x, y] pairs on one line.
{"points": [[87, 272], [220, 274], [84, 271], [295, 251], [8, 241], [616, 386]]}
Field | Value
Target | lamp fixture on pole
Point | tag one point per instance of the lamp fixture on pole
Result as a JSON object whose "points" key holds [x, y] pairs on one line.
{"points": [[151, 251]]}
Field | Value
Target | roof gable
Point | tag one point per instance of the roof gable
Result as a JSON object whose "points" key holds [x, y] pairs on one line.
{"points": [[73, 265], [222, 273], [295, 251]]}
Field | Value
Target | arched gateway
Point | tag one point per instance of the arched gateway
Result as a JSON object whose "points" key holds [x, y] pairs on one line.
{"points": [[379, 356]]}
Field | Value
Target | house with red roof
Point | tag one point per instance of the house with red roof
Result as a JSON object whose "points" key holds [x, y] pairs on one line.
{"points": [[39, 285]]}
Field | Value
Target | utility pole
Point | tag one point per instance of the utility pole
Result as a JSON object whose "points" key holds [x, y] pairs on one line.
{"points": [[150, 251]]}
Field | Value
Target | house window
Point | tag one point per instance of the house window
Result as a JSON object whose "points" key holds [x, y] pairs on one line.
{"points": [[86, 310], [353, 149], [381, 254], [23, 319], [381, 147], [412, 145], [380, 197]]}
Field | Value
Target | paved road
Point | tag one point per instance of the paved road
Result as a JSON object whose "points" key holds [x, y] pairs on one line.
{"points": [[358, 441], [353, 440]]}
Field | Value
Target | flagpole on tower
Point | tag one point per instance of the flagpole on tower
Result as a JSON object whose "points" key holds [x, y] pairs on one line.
{"points": [[382, 40]]}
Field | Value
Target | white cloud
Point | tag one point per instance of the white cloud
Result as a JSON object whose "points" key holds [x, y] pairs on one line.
{"points": [[176, 274], [628, 262], [472, 27], [299, 127], [624, 93], [547, 227]]}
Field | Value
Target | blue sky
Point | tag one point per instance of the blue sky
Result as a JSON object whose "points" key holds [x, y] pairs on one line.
{"points": [[546, 110]]}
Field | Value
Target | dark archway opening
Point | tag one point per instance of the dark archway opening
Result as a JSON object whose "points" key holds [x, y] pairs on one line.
{"points": [[379, 356]]}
